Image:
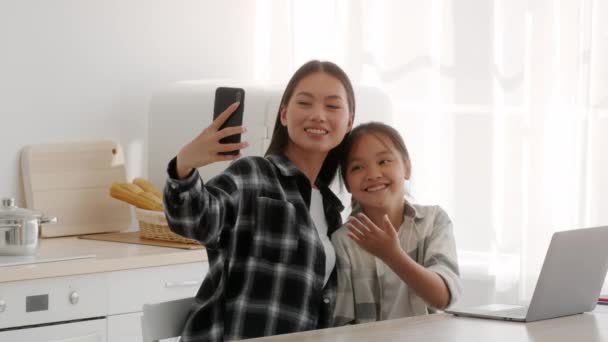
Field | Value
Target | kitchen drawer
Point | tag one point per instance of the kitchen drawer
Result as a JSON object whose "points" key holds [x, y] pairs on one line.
{"points": [[125, 328], [83, 331], [129, 290], [53, 300]]}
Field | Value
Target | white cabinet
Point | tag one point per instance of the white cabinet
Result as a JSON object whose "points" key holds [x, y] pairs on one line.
{"points": [[83, 331], [96, 307], [129, 290], [50, 300], [124, 327]]}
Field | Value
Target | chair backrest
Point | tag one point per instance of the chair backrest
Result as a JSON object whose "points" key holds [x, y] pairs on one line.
{"points": [[164, 320]]}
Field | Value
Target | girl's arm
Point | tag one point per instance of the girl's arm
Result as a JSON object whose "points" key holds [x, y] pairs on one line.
{"points": [[384, 244], [426, 283]]}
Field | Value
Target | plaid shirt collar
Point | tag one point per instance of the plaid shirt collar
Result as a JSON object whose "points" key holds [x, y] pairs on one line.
{"points": [[285, 166], [288, 169]]}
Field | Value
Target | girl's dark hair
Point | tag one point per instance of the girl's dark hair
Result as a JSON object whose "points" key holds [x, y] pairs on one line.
{"points": [[280, 136], [377, 129]]}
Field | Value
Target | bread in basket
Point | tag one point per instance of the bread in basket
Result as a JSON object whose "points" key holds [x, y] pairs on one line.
{"points": [[147, 200], [153, 225]]}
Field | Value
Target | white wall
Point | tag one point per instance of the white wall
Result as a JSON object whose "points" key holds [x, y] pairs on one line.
{"points": [[84, 69]]}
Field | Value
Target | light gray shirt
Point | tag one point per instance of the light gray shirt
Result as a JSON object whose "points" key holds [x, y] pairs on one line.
{"points": [[368, 290]]}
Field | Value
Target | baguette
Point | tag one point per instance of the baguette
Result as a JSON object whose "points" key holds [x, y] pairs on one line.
{"points": [[155, 202], [147, 186], [118, 191], [134, 195], [134, 188]]}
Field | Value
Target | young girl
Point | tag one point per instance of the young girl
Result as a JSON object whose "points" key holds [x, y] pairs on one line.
{"points": [[395, 259], [266, 221]]}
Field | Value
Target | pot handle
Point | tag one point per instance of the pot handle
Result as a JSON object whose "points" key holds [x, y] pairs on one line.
{"points": [[48, 219]]}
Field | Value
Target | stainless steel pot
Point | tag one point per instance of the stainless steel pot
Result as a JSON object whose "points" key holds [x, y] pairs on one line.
{"points": [[19, 228]]}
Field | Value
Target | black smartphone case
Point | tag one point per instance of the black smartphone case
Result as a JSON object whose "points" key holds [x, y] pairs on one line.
{"points": [[224, 97]]}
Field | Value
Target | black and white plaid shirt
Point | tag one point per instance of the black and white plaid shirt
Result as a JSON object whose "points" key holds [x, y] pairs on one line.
{"points": [[266, 261]]}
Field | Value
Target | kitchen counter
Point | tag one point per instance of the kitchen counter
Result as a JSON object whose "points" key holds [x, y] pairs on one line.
{"points": [[109, 256]]}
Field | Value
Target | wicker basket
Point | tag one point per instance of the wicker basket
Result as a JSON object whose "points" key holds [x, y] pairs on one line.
{"points": [[153, 225]]}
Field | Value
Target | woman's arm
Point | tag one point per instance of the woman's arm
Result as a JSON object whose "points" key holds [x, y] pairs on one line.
{"points": [[205, 148], [200, 211]]}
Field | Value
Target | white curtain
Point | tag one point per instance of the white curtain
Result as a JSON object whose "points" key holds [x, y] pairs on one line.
{"points": [[503, 105]]}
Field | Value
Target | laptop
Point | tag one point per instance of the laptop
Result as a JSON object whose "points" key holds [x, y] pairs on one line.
{"points": [[569, 283]]}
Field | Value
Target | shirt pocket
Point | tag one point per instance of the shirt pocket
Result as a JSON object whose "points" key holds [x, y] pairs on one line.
{"points": [[276, 232]]}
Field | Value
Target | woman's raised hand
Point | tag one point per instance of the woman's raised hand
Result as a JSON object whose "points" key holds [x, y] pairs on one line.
{"points": [[206, 147]]}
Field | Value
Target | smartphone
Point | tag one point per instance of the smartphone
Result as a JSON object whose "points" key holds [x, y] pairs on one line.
{"points": [[224, 97]]}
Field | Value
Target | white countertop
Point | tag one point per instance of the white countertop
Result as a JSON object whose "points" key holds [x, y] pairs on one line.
{"points": [[109, 256]]}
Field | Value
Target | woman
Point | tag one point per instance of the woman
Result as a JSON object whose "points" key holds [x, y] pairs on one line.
{"points": [[266, 221]]}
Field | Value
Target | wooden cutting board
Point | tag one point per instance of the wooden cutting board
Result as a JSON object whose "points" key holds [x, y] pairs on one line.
{"points": [[72, 182], [134, 237]]}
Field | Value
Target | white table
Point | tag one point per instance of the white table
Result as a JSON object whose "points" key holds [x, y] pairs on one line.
{"points": [[586, 327]]}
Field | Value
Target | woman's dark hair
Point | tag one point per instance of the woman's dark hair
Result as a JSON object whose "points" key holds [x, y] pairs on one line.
{"points": [[280, 136], [379, 130]]}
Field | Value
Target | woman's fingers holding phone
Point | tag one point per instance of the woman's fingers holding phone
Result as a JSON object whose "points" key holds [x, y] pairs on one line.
{"points": [[219, 121], [228, 131], [232, 147], [214, 127], [206, 148]]}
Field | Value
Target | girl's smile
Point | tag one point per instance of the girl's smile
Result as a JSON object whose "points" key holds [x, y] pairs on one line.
{"points": [[376, 174], [377, 187]]}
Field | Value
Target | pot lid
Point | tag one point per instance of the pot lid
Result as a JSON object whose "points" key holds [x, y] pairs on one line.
{"points": [[8, 210]]}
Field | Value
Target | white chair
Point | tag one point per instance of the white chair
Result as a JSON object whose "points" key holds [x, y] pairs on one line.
{"points": [[164, 320]]}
